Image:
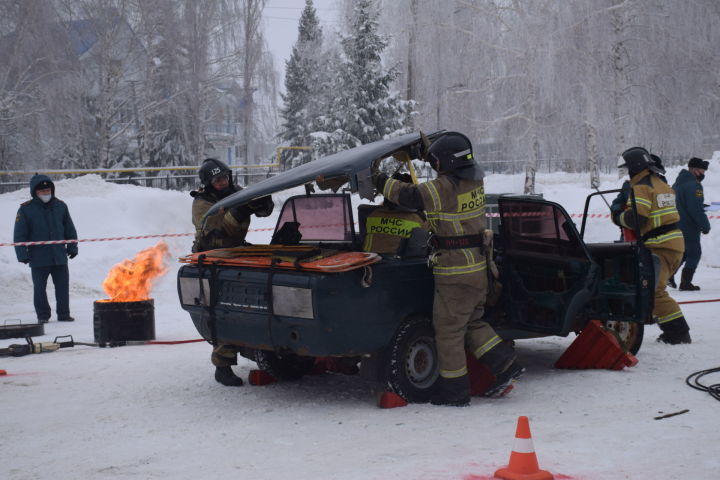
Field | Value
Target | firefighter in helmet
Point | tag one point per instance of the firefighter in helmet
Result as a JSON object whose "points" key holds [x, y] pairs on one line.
{"points": [[657, 219], [222, 230], [455, 206]]}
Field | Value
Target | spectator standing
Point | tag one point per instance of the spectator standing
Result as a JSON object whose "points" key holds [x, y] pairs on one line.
{"points": [[43, 218], [693, 219]]}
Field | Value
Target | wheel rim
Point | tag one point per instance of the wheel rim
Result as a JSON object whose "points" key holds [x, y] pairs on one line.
{"points": [[421, 363], [626, 331]]}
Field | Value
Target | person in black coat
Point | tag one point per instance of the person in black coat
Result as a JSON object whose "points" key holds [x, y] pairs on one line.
{"points": [[43, 218], [693, 220]]}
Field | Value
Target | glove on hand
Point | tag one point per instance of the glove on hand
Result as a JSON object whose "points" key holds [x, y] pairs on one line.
{"points": [[72, 255], [379, 179], [241, 212], [262, 207], [616, 217]]}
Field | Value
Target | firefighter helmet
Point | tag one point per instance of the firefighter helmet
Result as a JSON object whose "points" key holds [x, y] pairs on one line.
{"points": [[452, 153], [635, 159], [211, 168]]}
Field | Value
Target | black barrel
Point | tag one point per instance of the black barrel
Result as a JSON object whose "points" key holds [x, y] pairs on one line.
{"points": [[115, 322]]}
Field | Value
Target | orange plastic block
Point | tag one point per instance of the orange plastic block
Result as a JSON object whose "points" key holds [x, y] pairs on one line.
{"points": [[481, 378], [260, 377], [391, 400], [596, 347]]}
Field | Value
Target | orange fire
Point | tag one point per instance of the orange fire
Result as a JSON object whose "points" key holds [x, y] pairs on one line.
{"points": [[132, 280]]}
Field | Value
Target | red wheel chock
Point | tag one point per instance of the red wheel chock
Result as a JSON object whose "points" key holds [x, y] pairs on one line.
{"points": [[596, 347]]}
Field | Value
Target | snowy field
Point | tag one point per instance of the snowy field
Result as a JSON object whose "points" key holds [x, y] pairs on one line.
{"points": [[155, 411]]}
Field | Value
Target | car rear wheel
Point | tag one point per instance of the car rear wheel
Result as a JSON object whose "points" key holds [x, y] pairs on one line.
{"points": [[284, 367], [413, 369], [629, 333]]}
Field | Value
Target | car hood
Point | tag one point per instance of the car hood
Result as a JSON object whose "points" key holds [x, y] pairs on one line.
{"points": [[354, 163]]}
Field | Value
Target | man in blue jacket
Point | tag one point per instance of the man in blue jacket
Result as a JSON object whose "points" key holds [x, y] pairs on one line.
{"points": [[693, 220], [45, 218]]}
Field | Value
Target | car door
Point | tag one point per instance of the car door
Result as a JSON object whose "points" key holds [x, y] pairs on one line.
{"points": [[548, 276]]}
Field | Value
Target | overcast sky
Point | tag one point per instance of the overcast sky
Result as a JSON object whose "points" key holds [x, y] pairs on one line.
{"points": [[281, 24]]}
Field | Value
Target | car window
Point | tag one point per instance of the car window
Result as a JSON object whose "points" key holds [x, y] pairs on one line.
{"points": [[321, 218], [539, 228]]}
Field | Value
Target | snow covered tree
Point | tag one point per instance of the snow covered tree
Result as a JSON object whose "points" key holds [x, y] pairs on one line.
{"points": [[302, 95], [365, 109]]}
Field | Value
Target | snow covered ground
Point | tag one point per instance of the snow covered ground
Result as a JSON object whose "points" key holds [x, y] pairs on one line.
{"points": [[155, 411]]}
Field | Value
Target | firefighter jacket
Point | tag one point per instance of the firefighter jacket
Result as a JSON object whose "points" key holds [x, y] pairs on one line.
{"points": [[455, 209], [657, 214], [221, 230], [387, 226], [690, 204], [37, 221]]}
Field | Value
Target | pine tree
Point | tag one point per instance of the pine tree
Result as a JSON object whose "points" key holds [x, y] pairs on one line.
{"points": [[302, 82], [365, 109]]}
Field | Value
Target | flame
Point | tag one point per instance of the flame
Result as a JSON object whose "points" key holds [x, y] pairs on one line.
{"points": [[132, 280]]}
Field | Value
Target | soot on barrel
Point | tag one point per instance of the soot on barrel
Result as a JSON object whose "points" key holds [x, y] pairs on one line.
{"points": [[117, 322]]}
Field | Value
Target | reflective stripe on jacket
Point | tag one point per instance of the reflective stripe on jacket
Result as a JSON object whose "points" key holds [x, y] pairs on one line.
{"points": [[655, 201], [454, 207]]}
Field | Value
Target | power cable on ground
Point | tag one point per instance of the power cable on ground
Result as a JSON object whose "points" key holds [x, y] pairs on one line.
{"points": [[693, 380]]}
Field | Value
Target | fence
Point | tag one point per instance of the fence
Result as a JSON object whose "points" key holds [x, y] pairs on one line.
{"points": [[242, 175]]}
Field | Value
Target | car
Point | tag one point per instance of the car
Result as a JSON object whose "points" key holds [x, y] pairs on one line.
{"points": [[312, 292]]}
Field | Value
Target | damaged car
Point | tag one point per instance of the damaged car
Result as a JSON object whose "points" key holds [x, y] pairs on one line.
{"points": [[312, 292]]}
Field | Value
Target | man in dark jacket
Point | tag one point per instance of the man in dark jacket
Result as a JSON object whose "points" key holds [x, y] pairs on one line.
{"points": [[693, 220], [226, 228], [45, 218]]}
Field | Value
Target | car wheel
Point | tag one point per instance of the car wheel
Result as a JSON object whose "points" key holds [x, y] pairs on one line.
{"points": [[284, 367], [413, 369], [629, 333]]}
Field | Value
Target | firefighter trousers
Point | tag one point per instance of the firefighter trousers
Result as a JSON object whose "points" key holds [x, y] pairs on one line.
{"points": [[458, 308], [666, 308]]}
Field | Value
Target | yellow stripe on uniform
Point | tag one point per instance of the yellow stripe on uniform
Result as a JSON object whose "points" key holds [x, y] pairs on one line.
{"points": [[434, 195], [487, 346], [461, 270], [454, 373], [664, 238], [656, 215], [670, 317], [387, 189]]}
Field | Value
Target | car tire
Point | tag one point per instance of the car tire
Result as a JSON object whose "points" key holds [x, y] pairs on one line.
{"points": [[284, 367], [413, 368], [630, 334]]}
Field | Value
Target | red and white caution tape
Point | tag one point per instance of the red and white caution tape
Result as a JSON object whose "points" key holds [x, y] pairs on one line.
{"points": [[106, 239], [167, 235]]}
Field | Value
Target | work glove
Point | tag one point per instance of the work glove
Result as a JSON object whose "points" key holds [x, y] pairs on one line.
{"points": [[379, 179], [705, 232], [262, 207], [71, 255], [616, 217], [403, 177], [241, 212]]}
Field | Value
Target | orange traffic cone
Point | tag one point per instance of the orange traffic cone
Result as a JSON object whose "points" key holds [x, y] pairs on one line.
{"points": [[523, 462]]}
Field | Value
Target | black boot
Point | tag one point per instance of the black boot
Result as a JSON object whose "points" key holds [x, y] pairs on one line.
{"points": [[504, 381], [501, 362], [227, 377], [675, 332], [453, 392], [671, 281], [686, 280]]}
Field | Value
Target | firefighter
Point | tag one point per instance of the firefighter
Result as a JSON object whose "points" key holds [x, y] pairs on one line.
{"points": [[221, 230], [455, 206], [389, 227], [657, 219], [693, 219]]}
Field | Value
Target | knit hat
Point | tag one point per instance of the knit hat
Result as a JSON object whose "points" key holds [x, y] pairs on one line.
{"points": [[698, 163]]}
